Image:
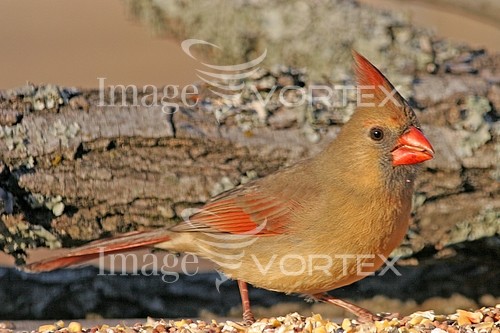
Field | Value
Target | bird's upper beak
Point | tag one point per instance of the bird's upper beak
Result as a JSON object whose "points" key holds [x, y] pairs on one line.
{"points": [[412, 147]]}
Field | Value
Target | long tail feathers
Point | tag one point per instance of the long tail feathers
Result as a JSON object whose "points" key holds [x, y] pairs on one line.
{"points": [[121, 243]]}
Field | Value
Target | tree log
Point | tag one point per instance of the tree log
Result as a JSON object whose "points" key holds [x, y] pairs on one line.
{"points": [[82, 171]]}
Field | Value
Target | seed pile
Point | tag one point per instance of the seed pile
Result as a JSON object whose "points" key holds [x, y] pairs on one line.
{"points": [[484, 320]]}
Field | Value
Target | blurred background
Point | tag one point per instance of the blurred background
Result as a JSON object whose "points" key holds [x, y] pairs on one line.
{"points": [[73, 43]]}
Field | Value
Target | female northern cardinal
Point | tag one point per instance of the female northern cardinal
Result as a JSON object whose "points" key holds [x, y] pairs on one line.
{"points": [[319, 225]]}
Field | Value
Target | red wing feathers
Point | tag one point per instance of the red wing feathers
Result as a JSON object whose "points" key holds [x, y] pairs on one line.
{"points": [[236, 212], [241, 213]]}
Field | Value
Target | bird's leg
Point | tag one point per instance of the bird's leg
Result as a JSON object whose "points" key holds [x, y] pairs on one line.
{"points": [[248, 317], [363, 314]]}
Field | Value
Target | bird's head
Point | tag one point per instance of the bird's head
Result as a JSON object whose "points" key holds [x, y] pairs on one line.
{"points": [[384, 129]]}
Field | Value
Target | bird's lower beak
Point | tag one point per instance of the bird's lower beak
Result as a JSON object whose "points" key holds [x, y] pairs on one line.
{"points": [[412, 148]]}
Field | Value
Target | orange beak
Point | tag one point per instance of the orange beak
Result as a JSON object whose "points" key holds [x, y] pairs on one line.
{"points": [[412, 148]]}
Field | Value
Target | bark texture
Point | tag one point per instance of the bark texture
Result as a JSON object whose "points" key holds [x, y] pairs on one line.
{"points": [[80, 171]]}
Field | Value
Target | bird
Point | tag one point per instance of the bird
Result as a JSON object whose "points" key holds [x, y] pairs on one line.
{"points": [[308, 228]]}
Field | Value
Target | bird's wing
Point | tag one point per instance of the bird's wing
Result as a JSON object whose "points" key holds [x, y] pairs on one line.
{"points": [[242, 211]]}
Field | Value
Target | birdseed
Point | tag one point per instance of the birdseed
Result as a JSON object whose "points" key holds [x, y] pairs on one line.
{"points": [[484, 320]]}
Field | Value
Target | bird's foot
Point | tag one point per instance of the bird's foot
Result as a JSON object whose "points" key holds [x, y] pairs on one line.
{"points": [[366, 316], [248, 318]]}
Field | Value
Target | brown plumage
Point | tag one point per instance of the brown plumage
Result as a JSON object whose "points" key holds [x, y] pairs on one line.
{"points": [[352, 199]]}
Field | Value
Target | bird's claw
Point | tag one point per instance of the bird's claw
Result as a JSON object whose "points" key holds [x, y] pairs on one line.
{"points": [[369, 317], [248, 318]]}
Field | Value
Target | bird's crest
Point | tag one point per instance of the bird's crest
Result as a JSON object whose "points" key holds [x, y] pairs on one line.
{"points": [[366, 73], [372, 82]]}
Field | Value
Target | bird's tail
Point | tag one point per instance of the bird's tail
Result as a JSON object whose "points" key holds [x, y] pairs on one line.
{"points": [[122, 243]]}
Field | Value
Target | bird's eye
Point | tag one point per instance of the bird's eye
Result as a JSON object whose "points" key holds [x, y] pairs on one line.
{"points": [[376, 134]]}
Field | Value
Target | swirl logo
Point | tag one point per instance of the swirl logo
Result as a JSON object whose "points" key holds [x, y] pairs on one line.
{"points": [[225, 81]]}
